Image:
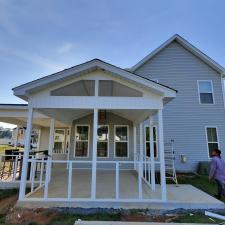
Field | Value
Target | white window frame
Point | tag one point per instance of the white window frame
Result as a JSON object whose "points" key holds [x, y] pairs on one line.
{"points": [[199, 98], [207, 142], [121, 157], [75, 141], [64, 142], [157, 146], [101, 157]]}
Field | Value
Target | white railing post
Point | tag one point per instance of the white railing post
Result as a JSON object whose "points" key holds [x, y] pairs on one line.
{"points": [[26, 154], [94, 155], [135, 146], [70, 179], [117, 180], [15, 168], [140, 170], [152, 154], [47, 176], [33, 164], [41, 171], [162, 159]]}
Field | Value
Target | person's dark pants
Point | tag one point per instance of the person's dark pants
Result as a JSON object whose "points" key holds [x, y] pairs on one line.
{"points": [[221, 188]]}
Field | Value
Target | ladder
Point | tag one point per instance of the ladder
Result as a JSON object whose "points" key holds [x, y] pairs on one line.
{"points": [[169, 162]]}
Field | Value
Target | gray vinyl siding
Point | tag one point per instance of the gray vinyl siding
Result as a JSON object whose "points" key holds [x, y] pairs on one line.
{"points": [[111, 120], [184, 118]]}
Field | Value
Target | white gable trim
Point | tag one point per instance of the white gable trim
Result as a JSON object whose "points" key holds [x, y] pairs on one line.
{"points": [[23, 91], [195, 51]]}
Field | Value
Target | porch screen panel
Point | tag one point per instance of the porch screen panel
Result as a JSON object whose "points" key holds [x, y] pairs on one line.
{"points": [[147, 141], [212, 139], [121, 141], [82, 138], [103, 138]]}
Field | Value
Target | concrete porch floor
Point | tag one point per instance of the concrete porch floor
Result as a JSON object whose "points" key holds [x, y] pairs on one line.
{"points": [[181, 196]]}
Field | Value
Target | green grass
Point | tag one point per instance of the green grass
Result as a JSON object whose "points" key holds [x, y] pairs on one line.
{"points": [[196, 218], [199, 181], [4, 147], [2, 219], [7, 193], [69, 219]]}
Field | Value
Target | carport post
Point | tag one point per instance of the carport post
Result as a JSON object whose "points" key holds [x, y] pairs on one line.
{"points": [[161, 155], [17, 132], [51, 136], [152, 155], [94, 155], [26, 154], [51, 144]]}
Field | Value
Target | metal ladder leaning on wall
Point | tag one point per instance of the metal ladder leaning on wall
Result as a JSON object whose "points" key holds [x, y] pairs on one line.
{"points": [[169, 162]]}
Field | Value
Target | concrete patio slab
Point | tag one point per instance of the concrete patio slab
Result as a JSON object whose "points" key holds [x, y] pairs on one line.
{"points": [[181, 196], [129, 223]]}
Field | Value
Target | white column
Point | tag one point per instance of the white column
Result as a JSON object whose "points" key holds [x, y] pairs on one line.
{"points": [[26, 154], [94, 154], [135, 146], [152, 153], [51, 136], [17, 132], [140, 171], [161, 154]]}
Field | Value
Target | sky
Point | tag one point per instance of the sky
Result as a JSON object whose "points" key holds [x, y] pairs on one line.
{"points": [[38, 38]]}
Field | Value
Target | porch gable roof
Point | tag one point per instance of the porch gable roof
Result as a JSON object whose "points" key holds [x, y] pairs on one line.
{"points": [[23, 91]]}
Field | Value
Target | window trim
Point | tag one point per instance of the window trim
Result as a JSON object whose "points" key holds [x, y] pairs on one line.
{"points": [[114, 141], [207, 142], [103, 157], [75, 141], [199, 98], [157, 145]]}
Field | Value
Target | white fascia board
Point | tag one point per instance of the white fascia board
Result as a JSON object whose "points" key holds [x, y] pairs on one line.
{"points": [[23, 90], [195, 51]]}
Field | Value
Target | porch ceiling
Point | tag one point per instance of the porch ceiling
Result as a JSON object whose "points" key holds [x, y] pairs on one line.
{"points": [[68, 115]]}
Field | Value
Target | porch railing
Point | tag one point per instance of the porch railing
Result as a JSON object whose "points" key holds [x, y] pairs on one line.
{"points": [[141, 166]]}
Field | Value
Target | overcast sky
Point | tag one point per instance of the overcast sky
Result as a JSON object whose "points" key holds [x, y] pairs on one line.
{"points": [[38, 38]]}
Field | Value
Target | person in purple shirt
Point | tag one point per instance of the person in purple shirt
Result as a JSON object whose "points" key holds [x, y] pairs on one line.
{"points": [[217, 172]]}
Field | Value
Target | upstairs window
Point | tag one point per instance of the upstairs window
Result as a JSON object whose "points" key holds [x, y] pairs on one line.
{"points": [[205, 90]]}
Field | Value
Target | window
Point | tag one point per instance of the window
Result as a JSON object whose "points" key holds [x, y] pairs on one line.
{"points": [[205, 89], [59, 141], [147, 141], [103, 139], [212, 139], [81, 138], [121, 141]]}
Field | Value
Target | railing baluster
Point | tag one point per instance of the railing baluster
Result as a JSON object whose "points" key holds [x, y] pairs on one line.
{"points": [[33, 174]]}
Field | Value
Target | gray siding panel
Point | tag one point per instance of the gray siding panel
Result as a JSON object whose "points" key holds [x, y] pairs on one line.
{"points": [[111, 120], [184, 118]]}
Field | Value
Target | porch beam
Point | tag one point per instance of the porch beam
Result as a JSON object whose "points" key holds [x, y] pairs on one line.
{"points": [[26, 153], [94, 155], [152, 158], [162, 158], [90, 102]]}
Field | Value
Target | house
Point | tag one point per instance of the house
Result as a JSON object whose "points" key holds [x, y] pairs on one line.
{"points": [[101, 124]]}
